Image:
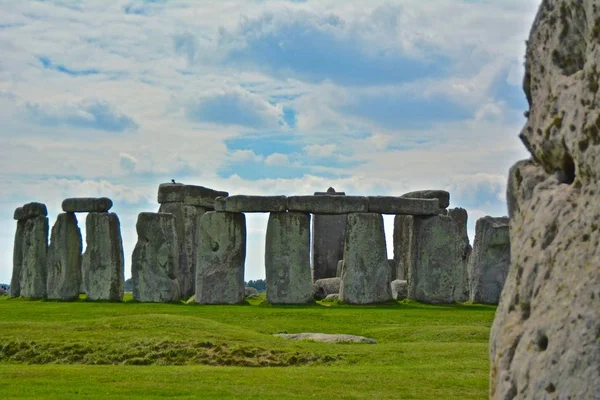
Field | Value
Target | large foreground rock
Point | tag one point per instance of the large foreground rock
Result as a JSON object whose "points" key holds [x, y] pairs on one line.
{"points": [[64, 259], [366, 274], [186, 225], [35, 248], [155, 259], [87, 204], [327, 337], [544, 341], [102, 264], [287, 258], [490, 260], [221, 257]]}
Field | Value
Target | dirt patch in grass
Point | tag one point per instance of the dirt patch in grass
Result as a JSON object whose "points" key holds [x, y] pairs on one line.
{"points": [[155, 353]]}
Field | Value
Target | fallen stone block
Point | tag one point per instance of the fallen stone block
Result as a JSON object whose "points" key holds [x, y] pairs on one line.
{"points": [[327, 338], [401, 205], [324, 287], [188, 194], [242, 203], [87, 204], [399, 289]]}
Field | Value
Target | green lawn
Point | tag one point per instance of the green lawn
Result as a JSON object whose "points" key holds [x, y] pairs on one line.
{"points": [[131, 350]]}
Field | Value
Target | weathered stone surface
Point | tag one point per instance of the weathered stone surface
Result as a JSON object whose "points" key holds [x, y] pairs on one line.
{"points": [[366, 275], [188, 194], [490, 260], [340, 267], [155, 259], [399, 289], [35, 249], [544, 339], [102, 263], [287, 258], [330, 192], [15, 281], [324, 287], [243, 203], [186, 225], [403, 244], [327, 338], [331, 204], [436, 270], [332, 297], [442, 196], [402, 205], [327, 244], [87, 204], [64, 259], [220, 258], [250, 291], [463, 250], [31, 210]]}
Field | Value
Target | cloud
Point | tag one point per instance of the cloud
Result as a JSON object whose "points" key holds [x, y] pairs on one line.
{"points": [[128, 162], [316, 150], [235, 106], [87, 113], [277, 159]]}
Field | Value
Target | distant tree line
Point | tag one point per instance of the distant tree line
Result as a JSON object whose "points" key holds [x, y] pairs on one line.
{"points": [[259, 284]]}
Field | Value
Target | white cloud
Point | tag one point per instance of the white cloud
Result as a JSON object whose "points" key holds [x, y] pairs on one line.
{"points": [[317, 150], [276, 159]]}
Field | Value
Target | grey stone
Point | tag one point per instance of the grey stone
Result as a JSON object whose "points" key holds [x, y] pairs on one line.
{"points": [[102, 262], [186, 225], [250, 291], [330, 192], [366, 275], [327, 338], [324, 287], [490, 260], [327, 244], [242, 203], [436, 270], [188, 194], [331, 204], [15, 281], [332, 297], [220, 258], [402, 205], [87, 204], [155, 259], [64, 259], [544, 341], [399, 289], [287, 258], [403, 244], [392, 268], [442, 196], [462, 252], [340, 268], [35, 249], [31, 210]]}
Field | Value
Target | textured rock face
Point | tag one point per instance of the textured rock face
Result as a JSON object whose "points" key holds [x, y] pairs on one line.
{"points": [[30, 210], [328, 204], [192, 195], [544, 340], [366, 275], [436, 270], [402, 205], [35, 249], [64, 259], [442, 196], [490, 260], [287, 259], [399, 289], [403, 244], [155, 259], [462, 249], [244, 203], [328, 244], [220, 258], [324, 287], [87, 204], [186, 225], [102, 263], [15, 281]]}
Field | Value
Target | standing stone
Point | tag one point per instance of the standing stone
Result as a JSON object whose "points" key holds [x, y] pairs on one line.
{"points": [[155, 259], [545, 339], [102, 263], [328, 241], [366, 274], [436, 261], [462, 250], [287, 258], [15, 281], [186, 225], [64, 259], [490, 261], [35, 248], [403, 245], [220, 258]]}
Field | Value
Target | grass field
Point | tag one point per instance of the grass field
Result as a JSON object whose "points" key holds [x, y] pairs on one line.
{"points": [[51, 350]]}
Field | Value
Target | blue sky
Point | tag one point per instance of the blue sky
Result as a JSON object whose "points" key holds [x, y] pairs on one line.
{"points": [[258, 97]]}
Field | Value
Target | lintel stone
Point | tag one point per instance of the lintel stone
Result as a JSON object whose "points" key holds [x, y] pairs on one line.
{"points": [[401, 205], [87, 204], [442, 196], [188, 194], [31, 210], [243, 203], [330, 204]]}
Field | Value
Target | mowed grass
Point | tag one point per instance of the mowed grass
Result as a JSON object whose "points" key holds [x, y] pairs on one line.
{"points": [[130, 350]]}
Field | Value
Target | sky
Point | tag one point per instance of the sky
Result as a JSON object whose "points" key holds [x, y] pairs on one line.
{"points": [[289, 97]]}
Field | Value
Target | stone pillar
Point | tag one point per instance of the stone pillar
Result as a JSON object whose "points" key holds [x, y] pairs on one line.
{"points": [[102, 264], [403, 245], [287, 258], [155, 259], [366, 274], [462, 251], [490, 261], [64, 259], [328, 240], [15, 281], [220, 258]]}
